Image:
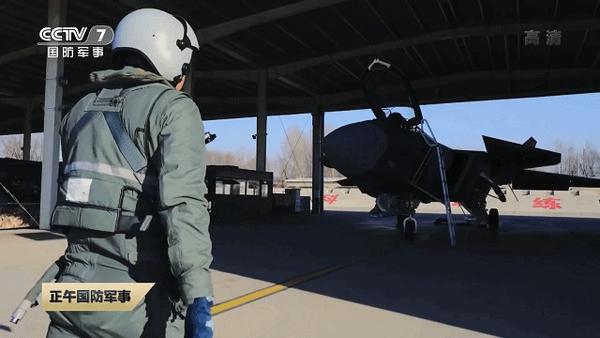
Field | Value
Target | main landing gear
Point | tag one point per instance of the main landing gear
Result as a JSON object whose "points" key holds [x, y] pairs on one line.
{"points": [[493, 220]]}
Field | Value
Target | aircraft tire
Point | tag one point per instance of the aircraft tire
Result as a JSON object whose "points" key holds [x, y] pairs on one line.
{"points": [[410, 230], [493, 220], [399, 220]]}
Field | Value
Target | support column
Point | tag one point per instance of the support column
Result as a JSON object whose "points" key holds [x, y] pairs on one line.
{"points": [[318, 121], [261, 123], [27, 132], [57, 10]]}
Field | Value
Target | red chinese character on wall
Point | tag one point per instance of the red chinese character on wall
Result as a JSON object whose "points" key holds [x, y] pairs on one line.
{"points": [[330, 199], [551, 203]]}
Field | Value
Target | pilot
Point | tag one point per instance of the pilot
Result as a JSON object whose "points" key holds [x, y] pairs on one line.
{"points": [[132, 196], [397, 120]]}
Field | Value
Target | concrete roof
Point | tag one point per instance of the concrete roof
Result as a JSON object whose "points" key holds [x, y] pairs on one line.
{"points": [[313, 52]]}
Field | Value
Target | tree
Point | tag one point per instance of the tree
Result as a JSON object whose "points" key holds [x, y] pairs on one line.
{"points": [[295, 159], [12, 147], [243, 158], [589, 161], [582, 162]]}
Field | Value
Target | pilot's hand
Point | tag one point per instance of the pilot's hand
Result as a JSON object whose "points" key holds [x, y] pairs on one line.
{"points": [[198, 320]]}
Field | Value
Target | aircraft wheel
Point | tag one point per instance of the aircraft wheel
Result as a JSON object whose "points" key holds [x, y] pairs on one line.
{"points": [[493, 219], [410, 230], [399, 220]]}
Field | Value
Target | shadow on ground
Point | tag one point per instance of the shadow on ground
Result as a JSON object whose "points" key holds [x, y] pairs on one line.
{"points": [[538, 276], [41, 236]]}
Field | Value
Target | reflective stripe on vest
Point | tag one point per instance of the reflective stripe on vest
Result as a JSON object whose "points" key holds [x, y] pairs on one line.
{"points": [[107, 169]]}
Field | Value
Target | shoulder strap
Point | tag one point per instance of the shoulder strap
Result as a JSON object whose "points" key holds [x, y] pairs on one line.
{"points": [[127, 147], [110, 103], [132, 154]]}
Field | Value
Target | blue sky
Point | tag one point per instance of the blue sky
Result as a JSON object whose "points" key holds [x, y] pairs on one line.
{"points": [[573, 119]]}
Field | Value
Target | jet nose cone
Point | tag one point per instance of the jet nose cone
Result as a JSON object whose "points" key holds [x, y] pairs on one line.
{"points": [[354, 149]]}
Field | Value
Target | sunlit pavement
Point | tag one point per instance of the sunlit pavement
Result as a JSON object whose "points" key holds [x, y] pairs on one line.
{"points": [[537, 277]]}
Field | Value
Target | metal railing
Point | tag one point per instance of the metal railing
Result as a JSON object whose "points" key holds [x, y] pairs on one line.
{"points": [[431, 141]]}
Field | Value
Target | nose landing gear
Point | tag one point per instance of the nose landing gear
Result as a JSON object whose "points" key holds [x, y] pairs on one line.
{"points": [[407, 227]]}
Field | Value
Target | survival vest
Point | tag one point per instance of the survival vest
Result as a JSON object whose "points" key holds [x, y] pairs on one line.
{"points": [[107, 183]]}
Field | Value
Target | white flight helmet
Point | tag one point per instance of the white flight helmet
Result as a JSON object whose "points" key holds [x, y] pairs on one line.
{"points": [[165, 40]]}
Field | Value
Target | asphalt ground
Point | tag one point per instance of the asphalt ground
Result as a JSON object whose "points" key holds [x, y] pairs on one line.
{"points": [[345, 274]]}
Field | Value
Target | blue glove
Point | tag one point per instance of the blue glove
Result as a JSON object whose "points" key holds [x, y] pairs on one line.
{"points": [[198, 320]]}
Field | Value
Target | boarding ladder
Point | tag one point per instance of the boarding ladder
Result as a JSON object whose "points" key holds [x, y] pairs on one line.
{"points": [[432, 143]]}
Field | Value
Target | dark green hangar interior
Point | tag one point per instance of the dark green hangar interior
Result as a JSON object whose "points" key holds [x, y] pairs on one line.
{"points": [[271, 57], [312, 53]]}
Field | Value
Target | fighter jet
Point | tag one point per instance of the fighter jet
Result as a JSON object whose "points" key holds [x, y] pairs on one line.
{"points": [[400, 163]]}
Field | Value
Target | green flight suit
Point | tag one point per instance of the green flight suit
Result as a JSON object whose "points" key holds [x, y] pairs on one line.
{"points": [[102, 201]]}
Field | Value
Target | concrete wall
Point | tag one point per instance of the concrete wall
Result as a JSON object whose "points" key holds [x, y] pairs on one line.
{"points": [[577, 202]]}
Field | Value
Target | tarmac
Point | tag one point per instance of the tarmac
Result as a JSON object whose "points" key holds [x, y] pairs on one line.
{"points": [[345, 274]]}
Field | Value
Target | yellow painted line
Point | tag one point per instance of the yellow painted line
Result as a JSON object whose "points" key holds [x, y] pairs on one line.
{"points": [[275, 288]]}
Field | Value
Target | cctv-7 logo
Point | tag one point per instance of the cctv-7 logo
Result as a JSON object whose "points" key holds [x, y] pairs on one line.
{"points": [[102, 31]]}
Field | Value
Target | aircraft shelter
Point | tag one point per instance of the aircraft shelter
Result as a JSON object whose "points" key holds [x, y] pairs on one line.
{"points": [[270, 57]]}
